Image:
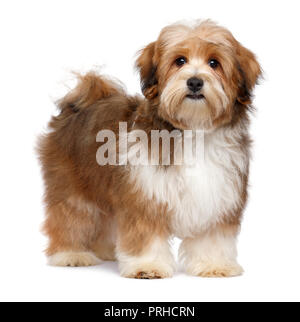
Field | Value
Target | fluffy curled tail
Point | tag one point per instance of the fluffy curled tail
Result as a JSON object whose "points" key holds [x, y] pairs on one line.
{"points": [[91, 87]]}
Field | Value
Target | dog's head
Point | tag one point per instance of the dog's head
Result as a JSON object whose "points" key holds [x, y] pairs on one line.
{"points": [[201, 75]]}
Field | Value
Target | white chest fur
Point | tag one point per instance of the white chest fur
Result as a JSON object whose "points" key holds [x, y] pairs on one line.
{"points": [[200, 195]]}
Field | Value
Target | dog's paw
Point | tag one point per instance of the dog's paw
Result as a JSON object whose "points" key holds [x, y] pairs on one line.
{"points": [[74, 259], [148, 275], [147, 271], [216, 270]]}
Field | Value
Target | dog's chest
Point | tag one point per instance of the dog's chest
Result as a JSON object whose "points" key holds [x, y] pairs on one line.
{"points": [[200, 195]]}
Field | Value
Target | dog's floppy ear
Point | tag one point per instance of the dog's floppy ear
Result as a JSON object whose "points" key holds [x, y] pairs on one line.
{"points": [[147, 69], [250, 71]]}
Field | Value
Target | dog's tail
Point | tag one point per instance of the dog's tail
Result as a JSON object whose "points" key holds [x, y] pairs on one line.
{"points": [[91, 88]]}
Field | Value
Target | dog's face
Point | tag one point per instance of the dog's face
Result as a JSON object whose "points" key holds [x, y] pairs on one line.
{"points": [[201, 75]]}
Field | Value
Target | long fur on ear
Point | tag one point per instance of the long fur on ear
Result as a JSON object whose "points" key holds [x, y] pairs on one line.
{"points": [[147, 69], [250, 72]]}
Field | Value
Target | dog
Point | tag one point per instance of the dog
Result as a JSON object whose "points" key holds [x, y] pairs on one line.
{"points": [[195, 78]]}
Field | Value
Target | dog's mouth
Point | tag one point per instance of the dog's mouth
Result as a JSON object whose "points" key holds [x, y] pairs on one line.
{"points": [[195, 96]]}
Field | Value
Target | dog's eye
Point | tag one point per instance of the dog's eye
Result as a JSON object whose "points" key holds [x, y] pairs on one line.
{"points": [[180, 61], [213, 63]]}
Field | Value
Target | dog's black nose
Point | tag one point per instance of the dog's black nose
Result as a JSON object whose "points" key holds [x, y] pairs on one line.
{"points": [[194, 84]]}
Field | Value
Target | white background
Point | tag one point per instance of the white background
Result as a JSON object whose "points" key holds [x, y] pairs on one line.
{"points": [[42, 41]]}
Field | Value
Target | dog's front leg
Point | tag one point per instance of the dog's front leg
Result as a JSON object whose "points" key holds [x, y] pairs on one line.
{"points": [[143, 251], [213, 253]]}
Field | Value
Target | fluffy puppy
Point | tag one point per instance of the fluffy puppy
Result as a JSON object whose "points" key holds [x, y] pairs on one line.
{"points": [[197, 78]]}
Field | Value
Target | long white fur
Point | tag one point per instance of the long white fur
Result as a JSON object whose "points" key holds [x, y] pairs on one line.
{"points": [[212, 254], [200, 195]]}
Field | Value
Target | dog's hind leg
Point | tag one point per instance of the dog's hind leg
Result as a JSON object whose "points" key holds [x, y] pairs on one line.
{"points": [[72, 227], [105, 245]]}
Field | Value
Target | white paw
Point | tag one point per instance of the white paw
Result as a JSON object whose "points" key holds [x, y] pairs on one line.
{"points": [[74, 259], [150, 270], [205, 269], [155, 262]]}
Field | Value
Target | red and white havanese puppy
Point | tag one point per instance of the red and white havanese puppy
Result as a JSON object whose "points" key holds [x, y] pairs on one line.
{"points": [[195, 79]]}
